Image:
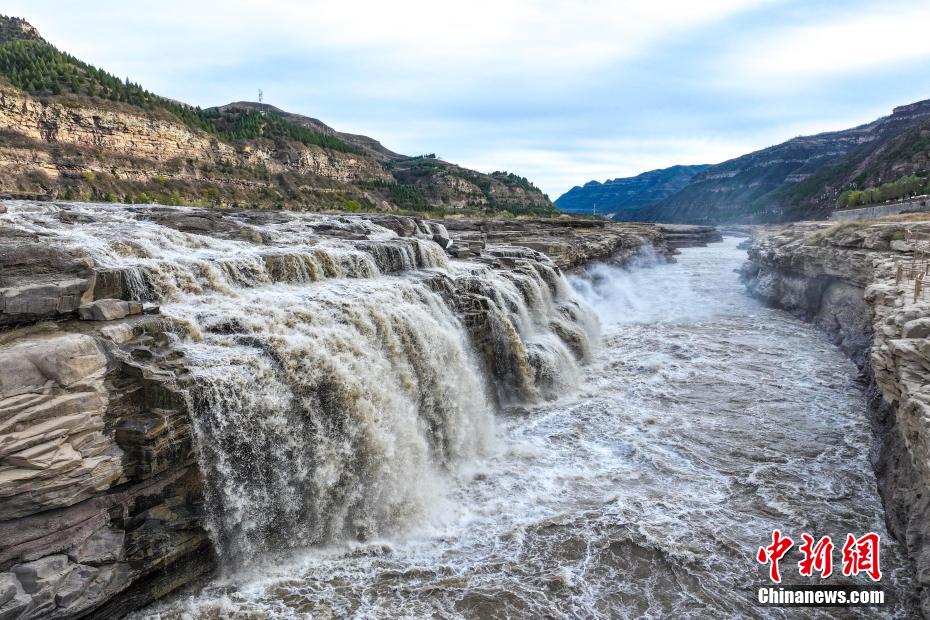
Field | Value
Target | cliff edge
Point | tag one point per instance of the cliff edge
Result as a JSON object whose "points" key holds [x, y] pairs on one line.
{"points": [[844, 278]]}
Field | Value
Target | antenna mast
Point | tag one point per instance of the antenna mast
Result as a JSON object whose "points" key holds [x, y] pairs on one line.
{"points": [[261, 101]]}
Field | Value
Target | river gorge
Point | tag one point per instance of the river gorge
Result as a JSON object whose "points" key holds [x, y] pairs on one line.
{"points": [[266, 414]]}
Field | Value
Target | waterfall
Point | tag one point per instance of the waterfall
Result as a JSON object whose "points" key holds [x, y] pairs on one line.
{"points": [[332, 413], [338, 373]]}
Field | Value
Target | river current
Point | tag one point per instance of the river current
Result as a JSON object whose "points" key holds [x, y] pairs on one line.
{"points": [[704, 421]]}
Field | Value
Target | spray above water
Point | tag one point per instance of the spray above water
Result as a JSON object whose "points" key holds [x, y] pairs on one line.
{"points": [[331, 415], [646, 290]]}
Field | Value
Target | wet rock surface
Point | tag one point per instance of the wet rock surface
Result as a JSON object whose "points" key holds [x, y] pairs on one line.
{"points": [[99, 493], [689, 236], [843, 278]]}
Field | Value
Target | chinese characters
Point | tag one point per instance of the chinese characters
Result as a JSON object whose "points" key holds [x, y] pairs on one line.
{"points": [[859, 555]]}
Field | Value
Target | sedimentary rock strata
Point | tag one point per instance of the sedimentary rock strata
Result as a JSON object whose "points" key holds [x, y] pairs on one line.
{"points": [[569, 242], [844, 278]]}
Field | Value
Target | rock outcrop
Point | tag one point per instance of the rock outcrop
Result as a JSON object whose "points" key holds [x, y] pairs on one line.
{"points": [[689, 236], [844, 278], [572, 242], [99, 491]]}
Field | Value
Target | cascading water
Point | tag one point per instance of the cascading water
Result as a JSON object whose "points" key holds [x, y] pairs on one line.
{"points": [[338, 378], [330, 414], [704, 421], [342, 381]]}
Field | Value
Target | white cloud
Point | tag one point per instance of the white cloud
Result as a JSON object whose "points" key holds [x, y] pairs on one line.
{"points": [[418, 42], [889, 33]]}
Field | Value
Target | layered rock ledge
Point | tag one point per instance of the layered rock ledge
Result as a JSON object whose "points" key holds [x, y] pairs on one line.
{"points": [[573, 242], [843, 278], [101, 497]]}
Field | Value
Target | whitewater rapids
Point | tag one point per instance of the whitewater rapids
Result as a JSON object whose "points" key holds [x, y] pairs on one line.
{"points": [[704, 421]]}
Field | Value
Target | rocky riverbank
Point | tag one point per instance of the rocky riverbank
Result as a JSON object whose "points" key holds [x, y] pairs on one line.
{"points": [[102, 499], [843, 278]]}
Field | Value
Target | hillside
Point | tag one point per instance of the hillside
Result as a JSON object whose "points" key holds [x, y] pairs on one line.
{"points": [[72, 131], [801, 178], [369, 146], [616, 195]]}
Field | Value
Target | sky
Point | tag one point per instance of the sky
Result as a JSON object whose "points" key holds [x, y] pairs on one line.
{"points": [[561, 92]]}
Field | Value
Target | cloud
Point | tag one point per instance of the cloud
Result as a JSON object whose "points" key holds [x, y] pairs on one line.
{"points": [[562, 92], [404, 48], [855, 41]]}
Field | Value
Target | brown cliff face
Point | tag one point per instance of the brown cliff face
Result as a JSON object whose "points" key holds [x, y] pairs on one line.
{"points": [[110, 127], [71, 131], [100, 492], [78, 148], [843, 278]]}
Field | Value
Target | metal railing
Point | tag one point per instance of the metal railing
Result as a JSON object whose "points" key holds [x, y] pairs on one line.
{"points": [[909, 271], [918, 268]]}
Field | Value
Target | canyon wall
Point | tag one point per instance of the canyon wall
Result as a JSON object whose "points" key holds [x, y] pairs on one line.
{"points": [[79, 148], [802, 177], [75, 132], [57, 141], [843, 278], [185, 388]]}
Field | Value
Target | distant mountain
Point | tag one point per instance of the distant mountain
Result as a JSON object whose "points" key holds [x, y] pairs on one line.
{"points": [[626, 193], [71, 131], [801, 178]]}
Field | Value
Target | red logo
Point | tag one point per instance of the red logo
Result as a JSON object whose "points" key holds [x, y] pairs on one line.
{"points": [[860, 555], [817, 557], [773, 553]]}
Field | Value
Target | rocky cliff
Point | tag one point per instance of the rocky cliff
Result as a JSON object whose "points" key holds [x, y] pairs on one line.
{"points": [[616, 195], [72, 131], [105, 504], [843, 277], [801, 178]]}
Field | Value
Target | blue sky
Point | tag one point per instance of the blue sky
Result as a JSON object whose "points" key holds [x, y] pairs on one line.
{"points": [[561, 92]]}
